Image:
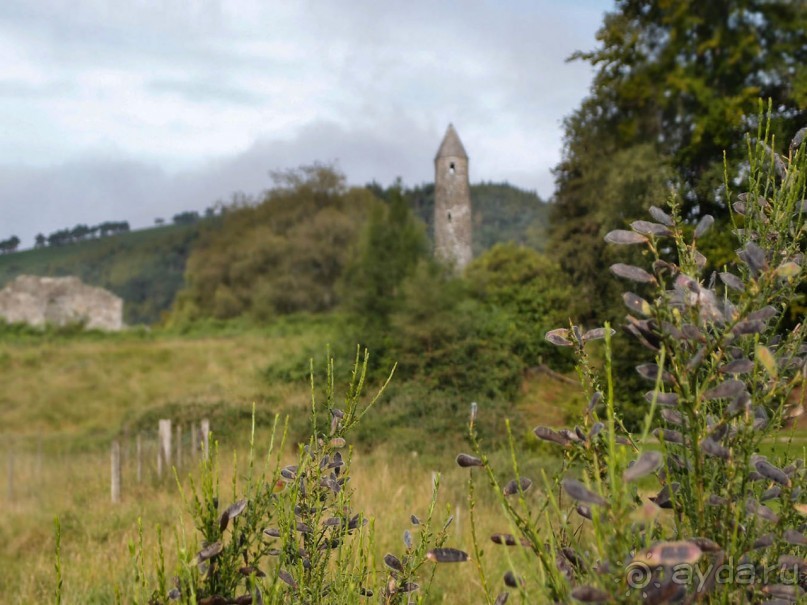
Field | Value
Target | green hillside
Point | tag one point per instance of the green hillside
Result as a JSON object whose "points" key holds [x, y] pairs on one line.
{"points": [[145, 268]]}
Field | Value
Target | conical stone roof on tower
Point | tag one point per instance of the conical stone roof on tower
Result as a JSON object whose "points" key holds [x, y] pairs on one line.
{"points": [[452, 202]]}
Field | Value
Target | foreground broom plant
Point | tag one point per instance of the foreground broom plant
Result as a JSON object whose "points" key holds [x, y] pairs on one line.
{"points": [[290, 533], [690, 509]]}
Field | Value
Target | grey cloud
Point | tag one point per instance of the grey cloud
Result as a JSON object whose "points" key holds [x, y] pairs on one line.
{"points": [[199, 90], [89, 191]]}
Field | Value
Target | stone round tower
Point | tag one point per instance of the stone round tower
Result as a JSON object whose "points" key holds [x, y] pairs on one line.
{"points": [[452, 202]]}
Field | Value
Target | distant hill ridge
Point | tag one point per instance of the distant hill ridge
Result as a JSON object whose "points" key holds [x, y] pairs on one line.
{"points": [[147, 267]]}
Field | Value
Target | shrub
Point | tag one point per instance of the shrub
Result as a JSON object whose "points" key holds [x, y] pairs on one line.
{"points": [[725, 523], [289, 534]]}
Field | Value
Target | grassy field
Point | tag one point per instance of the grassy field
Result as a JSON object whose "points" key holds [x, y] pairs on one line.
{"points": [[65, 397]]}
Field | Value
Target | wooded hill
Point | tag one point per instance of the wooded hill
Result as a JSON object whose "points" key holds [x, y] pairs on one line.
{"points": [[147, 268]]}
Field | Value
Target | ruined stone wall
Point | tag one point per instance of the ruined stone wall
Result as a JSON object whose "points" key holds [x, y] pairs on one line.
{"points": [[60, 301]]}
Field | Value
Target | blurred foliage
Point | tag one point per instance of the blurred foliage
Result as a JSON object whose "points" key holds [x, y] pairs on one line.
{"points": [[282, 255], [533, 294], [676, 85]]}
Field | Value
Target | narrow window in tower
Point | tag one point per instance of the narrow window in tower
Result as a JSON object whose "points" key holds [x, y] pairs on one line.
{"points": [[449, 217], [451, 168]]}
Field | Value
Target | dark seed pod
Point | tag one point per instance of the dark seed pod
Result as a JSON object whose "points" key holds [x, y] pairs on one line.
{"points": [[637, 304], [648, 228], [504, 539], [669, 436], [511, 580], [596, 398], [407, 539], [271, 532], [732, 281], [589, 594], [502, 598], [760, 510], [210, 551], [697, 359], [632, 273], [738, 366], [673, 417], [648, 462], [548, 434], [715, 500], [303, 528], [771, 493], [798, 138], [662, 217], [584, 511], [748, 327], [287, 578], [446, 555], [664, 498], [753, 256], [393, 562], [624, 238], [595, 430], [703, 226], [408, 587], [661, 398], [766, 313], [414, 520], [725, 390], [174, 594], [769, 471], [236, 508], [514, 487], [596, 334], [578, 491], [796, 538], [366, 592], [764, 541], [248, 570], [650, 371], [558, 337], [289, 472], [712, 448], [467, 461]]}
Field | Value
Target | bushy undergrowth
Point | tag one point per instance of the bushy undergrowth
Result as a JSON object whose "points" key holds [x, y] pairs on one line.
{"points": [[723, 523]]}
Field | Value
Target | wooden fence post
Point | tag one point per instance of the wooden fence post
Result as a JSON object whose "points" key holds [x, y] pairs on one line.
{"points": [[115, 459], [139, 454], [205, 438], [179, 446], [11, 474], [164, 447], [194, 441]]}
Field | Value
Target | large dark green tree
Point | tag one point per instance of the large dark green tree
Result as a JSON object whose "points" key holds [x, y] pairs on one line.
{"points": [[677, 83]]}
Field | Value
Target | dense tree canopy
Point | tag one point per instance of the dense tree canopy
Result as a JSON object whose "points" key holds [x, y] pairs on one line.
{"points": [[677, 83]]}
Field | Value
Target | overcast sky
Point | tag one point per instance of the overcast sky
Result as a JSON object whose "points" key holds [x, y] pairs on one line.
{"points": [[137, 109]]}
